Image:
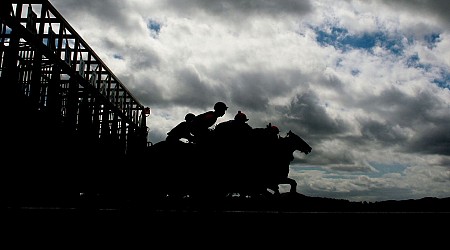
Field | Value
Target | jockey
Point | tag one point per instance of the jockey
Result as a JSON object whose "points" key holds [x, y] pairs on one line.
{"points": [[273, 130], [265, 136], [272, 133], [201, 124], [182, 130], [234, 131]]}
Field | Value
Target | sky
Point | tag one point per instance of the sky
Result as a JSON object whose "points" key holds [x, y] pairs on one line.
{"points": [[365, 83]]}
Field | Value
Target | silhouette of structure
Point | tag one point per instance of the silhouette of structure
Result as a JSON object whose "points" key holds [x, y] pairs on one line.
{"points": [[69, 121]]}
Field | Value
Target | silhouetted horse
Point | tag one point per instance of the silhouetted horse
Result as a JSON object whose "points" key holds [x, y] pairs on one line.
{"points": [[263, 162], [249, 167], [278, 162]]}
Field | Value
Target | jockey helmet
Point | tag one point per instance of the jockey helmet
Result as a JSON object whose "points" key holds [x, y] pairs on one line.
{"points": [[189, 117], [241, 117], [274, 129], [220, 106]]}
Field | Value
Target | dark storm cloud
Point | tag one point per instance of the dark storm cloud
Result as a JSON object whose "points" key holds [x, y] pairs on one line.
{"points": [[251, 96], [433, 140], [184, 92], [309, 115], [403, 109], [390, 193], [191, 86], [229, 8], [339, 156], [254, 89], [138, 58], [423, 113], [151, 95], [437, 8], [445, 161], [380, 132]]}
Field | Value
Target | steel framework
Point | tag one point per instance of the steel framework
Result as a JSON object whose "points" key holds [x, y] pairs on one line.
{"points": [[46, 64]]}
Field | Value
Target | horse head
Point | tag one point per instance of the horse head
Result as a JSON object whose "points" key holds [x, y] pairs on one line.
{"points": [[298, 143]]}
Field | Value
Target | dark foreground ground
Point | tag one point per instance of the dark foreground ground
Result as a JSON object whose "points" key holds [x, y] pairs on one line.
{"points": [[284, 203], [107, 221], [284, 206]]}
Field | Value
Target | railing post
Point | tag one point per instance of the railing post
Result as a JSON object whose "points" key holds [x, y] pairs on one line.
{"points": [[10, 71]]}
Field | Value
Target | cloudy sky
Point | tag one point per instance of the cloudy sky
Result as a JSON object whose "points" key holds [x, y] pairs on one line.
{"points": [[365, 83]]}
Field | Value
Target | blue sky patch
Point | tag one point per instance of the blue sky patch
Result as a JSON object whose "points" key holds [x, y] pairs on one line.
{"points": [[154, 26], [413, 61], [7, 30], [432, 40], [355, 72], [341, 39], [117, 56], [386, 169], [443, 80]]}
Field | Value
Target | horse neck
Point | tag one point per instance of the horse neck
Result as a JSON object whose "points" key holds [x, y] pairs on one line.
{"points": [[286, 145]]}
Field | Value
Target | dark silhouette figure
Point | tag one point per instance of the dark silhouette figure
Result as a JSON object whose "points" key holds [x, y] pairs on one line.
{"points": [[219, 169], [233, 131], [182, 130], [232, 137], [261, 160], [269, 134], [274, 167], [201, 125]]}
